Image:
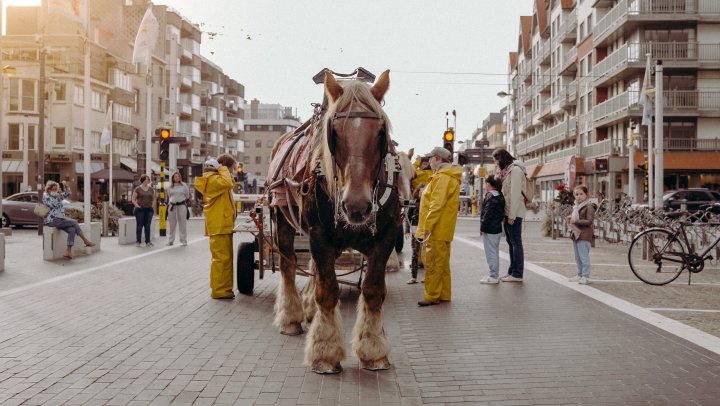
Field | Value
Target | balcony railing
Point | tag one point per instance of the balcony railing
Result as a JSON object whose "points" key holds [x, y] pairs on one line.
{"points": [[686, 144], [567, 30], [612, 106], [651, 8], [563, 153], [602, 148], [521, 148]]}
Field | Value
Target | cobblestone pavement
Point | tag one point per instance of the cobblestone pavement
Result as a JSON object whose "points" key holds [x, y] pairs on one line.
{"points": [[136, 326]]}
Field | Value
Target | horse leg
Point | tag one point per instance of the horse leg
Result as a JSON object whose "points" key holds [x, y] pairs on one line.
{"points": [[308, 296], [370, 345], [324, 346], [288, 307]]}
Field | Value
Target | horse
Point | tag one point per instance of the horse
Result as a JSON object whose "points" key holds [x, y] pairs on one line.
{"points": [[349, 200], [407, 174]]}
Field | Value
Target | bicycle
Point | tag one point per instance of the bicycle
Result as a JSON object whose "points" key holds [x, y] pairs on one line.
{"points": [[658, 255]]}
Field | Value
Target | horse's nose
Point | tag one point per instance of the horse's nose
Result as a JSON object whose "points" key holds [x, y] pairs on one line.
{"points": [[356, 211]]}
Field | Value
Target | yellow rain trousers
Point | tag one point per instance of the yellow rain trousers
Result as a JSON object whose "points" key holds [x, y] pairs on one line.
{"points": [[438, 215], [220, 214]]}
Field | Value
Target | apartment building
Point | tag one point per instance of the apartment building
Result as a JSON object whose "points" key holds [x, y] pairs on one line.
{"points": [[177, 88], [264, 124], [575, 83]]}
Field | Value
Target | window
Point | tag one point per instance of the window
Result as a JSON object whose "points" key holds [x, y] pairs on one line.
{"points": [[136, 100], [60, 92], [13, 136], [122, 114], [78, 138], [22, 95], [97, 101], [247, 143], [258, 144], [31, 136], [270, 143], [95, 135], [122, 80], [79, 95], [59, 136], [258, 160]]}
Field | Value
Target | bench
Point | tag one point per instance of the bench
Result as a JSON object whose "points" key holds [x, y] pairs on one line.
{"points": [[126, 230], [55, 241]]}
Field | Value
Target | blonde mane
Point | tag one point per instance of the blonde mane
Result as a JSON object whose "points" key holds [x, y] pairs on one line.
{"points": [[356, 97]]}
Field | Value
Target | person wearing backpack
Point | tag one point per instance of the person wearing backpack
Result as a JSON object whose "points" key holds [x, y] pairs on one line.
{"points": [[514, 179]]}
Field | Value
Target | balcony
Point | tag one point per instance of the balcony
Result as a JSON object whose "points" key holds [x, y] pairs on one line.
{"points": [[598, 149], [569, 94], [686, 144], [563, 153], [569, 62], [614, 109], [185, 110], [536, 142], [186, 56], [560, 132], [521, 148], [526, 98], [185, 83], [526, 122], [568, 30], [683, 103], [544, 80], [628, 14]]}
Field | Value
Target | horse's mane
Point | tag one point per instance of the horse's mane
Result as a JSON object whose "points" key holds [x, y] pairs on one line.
{"points": [[356, 97]]}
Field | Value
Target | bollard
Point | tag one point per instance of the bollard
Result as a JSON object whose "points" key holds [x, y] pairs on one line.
{"points": [[105, 219], [683, 205]]}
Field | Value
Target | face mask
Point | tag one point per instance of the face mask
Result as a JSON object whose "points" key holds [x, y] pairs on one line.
{"points": [[53, 193]]}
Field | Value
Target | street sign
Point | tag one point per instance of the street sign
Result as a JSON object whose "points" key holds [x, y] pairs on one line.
{"points": [[479, 156]]}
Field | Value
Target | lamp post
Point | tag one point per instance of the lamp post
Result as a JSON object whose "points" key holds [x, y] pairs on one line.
{"points": [[209, 96]]}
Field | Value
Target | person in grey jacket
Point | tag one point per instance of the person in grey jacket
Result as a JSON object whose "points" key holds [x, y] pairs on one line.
{"points": [[581, 225], [52, 198], [178, 195], [512, 174], [491, 220]]}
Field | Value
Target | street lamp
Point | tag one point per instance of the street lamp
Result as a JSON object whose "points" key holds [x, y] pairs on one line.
{"points": [[209, 96]]}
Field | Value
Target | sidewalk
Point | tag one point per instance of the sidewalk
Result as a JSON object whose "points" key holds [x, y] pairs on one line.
{"points": [[142, 330]]}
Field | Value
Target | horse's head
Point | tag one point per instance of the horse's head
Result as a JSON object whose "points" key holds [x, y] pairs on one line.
{"points": [[407, 174], [356, 141]]}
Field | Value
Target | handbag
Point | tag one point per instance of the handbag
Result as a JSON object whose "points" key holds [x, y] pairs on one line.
{"points": [[41, 210]]}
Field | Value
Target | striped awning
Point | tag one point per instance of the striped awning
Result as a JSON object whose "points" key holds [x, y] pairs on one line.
{"points": [[12, 166]]}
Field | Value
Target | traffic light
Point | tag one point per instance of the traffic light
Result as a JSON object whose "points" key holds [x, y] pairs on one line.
{"points": [[240, 173], [449, 139], [164, 150]]}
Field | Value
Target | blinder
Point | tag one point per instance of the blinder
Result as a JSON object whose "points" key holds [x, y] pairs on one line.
{"points": [[332, 136]]}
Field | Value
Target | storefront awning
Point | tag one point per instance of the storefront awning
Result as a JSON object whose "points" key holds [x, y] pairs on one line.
{"points": [[94, 167], [131, 164], [557, 167], [12, 166]]}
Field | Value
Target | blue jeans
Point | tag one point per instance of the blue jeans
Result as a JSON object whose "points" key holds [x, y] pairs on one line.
{"points": [[513, 235], [70, 226], [582, 257], [143, 218], [491, 243]]}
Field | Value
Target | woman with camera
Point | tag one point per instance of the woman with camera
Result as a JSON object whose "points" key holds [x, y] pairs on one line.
{"points": [[52, 198]]}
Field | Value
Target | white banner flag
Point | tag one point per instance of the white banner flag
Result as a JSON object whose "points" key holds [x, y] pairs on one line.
{"points": [[106, 136], [644, 101], [71, 9], [146, 38]]}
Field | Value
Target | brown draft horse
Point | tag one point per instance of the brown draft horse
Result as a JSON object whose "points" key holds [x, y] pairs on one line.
{"points": [[350, 201]]}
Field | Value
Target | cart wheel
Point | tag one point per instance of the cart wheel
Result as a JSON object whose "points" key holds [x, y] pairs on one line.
{"points": [[246, 267], [400, 242]]}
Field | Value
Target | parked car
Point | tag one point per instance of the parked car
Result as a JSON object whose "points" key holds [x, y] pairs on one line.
{"points": [[19, 209], [694, 198]]}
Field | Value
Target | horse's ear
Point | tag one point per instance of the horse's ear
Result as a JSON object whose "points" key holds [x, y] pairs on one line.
{"points": [[411, 152], [332, 88], [381, 86]]}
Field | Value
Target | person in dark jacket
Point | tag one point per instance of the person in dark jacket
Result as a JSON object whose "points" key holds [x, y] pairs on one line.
{"points": [[581, 225], [491, 218]]}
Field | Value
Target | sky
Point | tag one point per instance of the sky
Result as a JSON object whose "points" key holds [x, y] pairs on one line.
{"points": [[442, 55]]}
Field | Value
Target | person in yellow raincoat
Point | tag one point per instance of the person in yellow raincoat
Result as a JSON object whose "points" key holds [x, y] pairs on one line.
{"points": [[436, 228], [422, 177], [216, 186]]}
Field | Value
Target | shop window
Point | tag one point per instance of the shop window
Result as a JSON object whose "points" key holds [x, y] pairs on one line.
{"points": [[59, 136], [13, 136]]}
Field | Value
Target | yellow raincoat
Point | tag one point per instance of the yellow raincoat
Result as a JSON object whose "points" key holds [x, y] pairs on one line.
{"points": [[220, 214], [438, 214]]}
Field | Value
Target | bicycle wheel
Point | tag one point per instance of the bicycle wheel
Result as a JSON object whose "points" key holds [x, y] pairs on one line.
{"points": [[656, 256]]}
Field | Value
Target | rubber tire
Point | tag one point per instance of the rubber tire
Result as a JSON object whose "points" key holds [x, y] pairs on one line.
{"points": [[635, 241], [400, 242], [5, 221], [245, 270]]}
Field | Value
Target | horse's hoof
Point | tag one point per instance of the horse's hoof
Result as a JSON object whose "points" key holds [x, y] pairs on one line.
{"points": [[377, 365], [324, 368], [292, 329]]}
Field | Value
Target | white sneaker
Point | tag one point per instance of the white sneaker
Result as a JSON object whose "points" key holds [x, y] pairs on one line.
{"points": [[169, 243], [183, 243], [584, 281], [510, 278], [575, 278], [489, 281]]}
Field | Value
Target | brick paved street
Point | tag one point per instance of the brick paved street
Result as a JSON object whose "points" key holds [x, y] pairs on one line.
{"points": [[135, 326]]}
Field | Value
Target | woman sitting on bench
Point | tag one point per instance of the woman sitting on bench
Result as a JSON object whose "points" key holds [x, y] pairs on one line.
{"points": [[56, 217]]}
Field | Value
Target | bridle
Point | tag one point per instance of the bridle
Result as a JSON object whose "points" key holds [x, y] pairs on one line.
{"points": [[391, 163]]}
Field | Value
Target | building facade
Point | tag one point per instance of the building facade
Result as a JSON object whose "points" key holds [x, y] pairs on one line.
{"points": [[575, 83]]}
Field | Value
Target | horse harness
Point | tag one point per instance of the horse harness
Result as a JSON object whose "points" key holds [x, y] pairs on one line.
{"points": [[382, 190]]}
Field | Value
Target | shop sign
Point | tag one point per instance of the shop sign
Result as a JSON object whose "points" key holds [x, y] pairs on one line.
{"points": [[58, 158]]}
